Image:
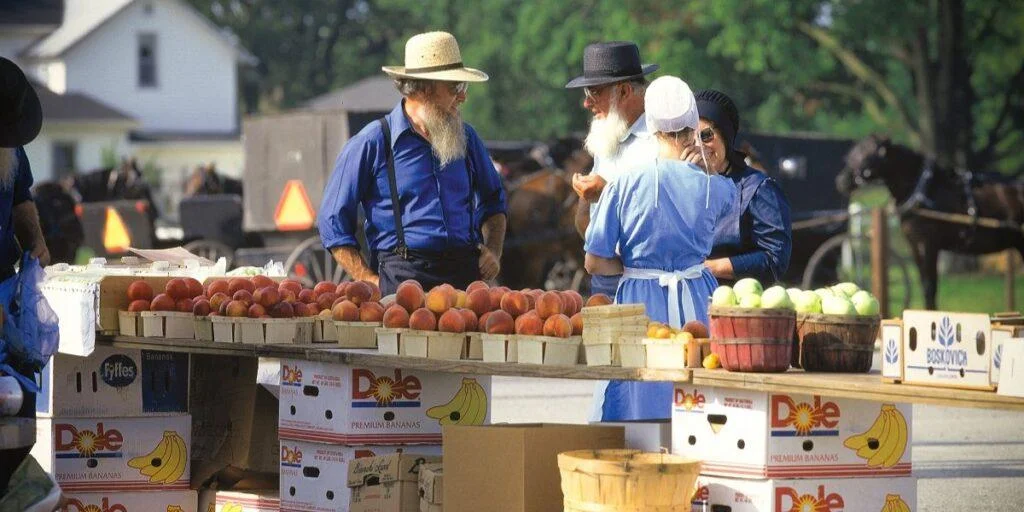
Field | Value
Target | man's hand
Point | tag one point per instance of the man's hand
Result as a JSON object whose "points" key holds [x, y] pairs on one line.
{"points": [[588, 187], [489, 264], [40, 251]]}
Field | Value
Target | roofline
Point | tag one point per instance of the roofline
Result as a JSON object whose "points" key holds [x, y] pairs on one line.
{"points": [[127, 124]]}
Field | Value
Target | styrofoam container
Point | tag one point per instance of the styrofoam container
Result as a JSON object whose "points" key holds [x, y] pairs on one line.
{"points": [[499, 348], [947, 349], [168, 324], [117, 501], [547, 350], [815, 494]]}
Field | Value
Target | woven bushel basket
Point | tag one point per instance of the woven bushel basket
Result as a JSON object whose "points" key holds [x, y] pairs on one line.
{"points": [[837, 343], [752, 340], [627, 481]]}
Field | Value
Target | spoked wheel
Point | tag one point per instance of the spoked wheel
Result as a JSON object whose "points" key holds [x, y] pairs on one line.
{"points": [[564, 274], [310, 263], [857, 267], [211, 250]]}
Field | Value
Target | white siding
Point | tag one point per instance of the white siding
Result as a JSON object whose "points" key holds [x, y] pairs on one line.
{"points": [[90, 142], [196, 70]]}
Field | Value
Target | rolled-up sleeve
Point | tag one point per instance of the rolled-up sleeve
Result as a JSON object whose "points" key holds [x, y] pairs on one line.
{"points": [[770, 232], [489, 190], [23, 180], [605, 227], [339, 210]]}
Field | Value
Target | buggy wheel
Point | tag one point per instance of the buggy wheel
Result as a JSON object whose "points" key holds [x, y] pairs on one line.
{"points": [[857, 248], [211, 250], [310, 263], [564, 274]]}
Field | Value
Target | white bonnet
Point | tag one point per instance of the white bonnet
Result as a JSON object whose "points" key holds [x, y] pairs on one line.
{"points": [[670, 106]]}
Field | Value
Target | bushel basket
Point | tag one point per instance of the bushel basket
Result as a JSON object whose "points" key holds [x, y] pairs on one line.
{"points": [[627, 481], [837, 343], [752, 340]]}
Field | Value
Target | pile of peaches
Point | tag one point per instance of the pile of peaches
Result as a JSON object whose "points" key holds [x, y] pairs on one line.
{"points": [[492, 310]]}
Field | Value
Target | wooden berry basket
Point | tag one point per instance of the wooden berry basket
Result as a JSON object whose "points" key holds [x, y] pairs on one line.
{"points": [[837, 343], [752, 340], [627, 480]]}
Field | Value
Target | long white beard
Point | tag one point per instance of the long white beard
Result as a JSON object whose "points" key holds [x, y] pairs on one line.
{"points": [[447, 135], [8, 159], [606, 134]]}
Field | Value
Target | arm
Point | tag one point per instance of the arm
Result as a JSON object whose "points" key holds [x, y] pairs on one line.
{"points": [[339, 209], [598, 266], [582, 220], [491, 208], [602, 236], [351, 260], [24, 215], [493, 231], [770, 232]]}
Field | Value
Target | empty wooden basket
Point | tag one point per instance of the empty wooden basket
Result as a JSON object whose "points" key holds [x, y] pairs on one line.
{"points": [[627, 481]]}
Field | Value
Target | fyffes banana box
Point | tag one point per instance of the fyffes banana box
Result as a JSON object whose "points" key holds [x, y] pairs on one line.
{"points": [[165, 501], [339, 404], [116, 454], [114, 382], [313, 475], [947, 349], [753, 434], [818, 495]]}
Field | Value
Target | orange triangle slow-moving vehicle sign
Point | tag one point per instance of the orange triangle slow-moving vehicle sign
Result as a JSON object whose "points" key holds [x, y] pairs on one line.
{"points": [[116, 238], [294, 211]]}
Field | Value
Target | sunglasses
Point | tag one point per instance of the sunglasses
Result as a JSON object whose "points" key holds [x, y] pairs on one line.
{"points": [[458, 88], [707, 135]]}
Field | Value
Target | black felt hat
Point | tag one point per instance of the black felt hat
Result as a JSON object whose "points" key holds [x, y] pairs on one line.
{"points": [[21, 116], [606, 63]]}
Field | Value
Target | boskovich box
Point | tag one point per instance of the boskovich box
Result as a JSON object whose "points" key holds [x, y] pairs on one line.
{"points": [[891, 334], [239, 501], [819, 495], [386, 483], [1000, 335], [114, 501], [752, 434], [333, 403], [116, 454], [114, 382], [313, 475], [947, 349]]}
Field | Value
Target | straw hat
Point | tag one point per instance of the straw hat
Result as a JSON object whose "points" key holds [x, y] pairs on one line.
{"points": [[435, 56]]}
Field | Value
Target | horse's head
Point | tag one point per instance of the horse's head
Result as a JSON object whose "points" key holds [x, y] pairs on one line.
{"points": [[866, 162]]}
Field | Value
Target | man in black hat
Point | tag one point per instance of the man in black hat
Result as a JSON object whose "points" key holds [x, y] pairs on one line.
{"points": [[613, 84], [21, 118]]}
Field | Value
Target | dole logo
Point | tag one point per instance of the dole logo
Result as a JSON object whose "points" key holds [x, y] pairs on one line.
{"points": [[801, 419], [118, 371], [75, 505], [291, 375], [787, 499], [291, 457], [689, 401], [86, 442], [369, 390]]}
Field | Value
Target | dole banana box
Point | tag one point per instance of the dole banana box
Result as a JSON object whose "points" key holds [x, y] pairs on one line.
{"points": [[753, 434], [239, 501], [114, 382], [313, 475], [116, 454], [113, 501], [947, 349], [333, 403], [817, 495]]}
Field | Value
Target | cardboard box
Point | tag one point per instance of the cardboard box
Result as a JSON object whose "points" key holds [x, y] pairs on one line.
{"points": [[334, 403], [513, 468], [112, 454], [114, 382], [239, 501], [947, 349], [1000, 335], [386, 483], [649, 436], [833, 495], [891, 334], [115, 501], [431, 487], [1011, 378], [753, 434], [313, 474]]}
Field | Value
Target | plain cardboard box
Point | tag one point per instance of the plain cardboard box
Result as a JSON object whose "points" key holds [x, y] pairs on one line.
{"points": [[1000, 335], [947, 349], [648, 436], [386, 483], [313, 475], [238, 501], [115, 501], [341, 404], [513, 468], [754, 434], [431, 485], [841, 494], [92, 454], [1011, 379], [114, 382]]}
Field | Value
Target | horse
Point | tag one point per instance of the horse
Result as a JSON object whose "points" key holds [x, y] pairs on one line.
{"points": [[61, 227], [941, 210]]}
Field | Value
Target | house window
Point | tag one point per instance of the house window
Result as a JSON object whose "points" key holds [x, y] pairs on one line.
{"points": [[64, 161], [147, 60]]}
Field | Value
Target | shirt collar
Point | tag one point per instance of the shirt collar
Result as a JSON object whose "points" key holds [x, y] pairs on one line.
{"points": [[638, 129], [399, 121]]}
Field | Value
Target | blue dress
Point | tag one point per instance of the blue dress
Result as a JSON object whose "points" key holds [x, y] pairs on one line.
{"points": [[657, 217]]}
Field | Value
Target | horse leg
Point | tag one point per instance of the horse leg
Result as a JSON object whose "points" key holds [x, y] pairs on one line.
{"points": [[929, 269]]}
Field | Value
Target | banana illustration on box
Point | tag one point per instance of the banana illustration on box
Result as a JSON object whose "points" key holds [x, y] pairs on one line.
{"points": [[467, 407], [174, 508], [231, 507], [166, 463], [895, 503], [884, 443]]}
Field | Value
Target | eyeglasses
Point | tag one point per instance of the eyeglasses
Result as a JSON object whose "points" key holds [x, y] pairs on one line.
{"points": [[707, 135], [458, 88], [591, 92]]}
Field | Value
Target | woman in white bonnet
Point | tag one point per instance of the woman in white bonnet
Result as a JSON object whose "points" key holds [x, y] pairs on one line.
{"points": [[662, 220]]}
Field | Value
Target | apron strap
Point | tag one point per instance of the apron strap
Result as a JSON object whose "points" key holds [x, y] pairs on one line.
{"points": [[396, 207], [672, 280]]}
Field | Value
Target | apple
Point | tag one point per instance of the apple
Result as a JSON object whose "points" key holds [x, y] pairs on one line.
{"points": [[750, 301], [808, 302], [776, 297], [747, 286], [848, 288], [793, 294], [865, 303], [837, 306], [839, 292], [723, 297], [824, 292]]}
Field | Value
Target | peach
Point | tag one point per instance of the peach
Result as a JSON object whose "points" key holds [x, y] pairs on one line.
{"points": [[696, 329], [451, 321], [515, 303], [549, 304], [500, 322], [305, 296], [577, 299], [476, 285], [324, 286], [359, 292], [306, 310], [140, 290], [439, 300], [291, 284], [371, 312], [326, 300], [469, 317], [183, 305], [413, 282], [495, 294], [598, 299], [282, 310], [177, 288], [409, 295], [374, 291], [577, 324], [460, 299], [262, 282], [479, 301], [217, 299], [223, 309], [325, 314], [163, 302], [531, 301], [217, 286], [558, 326], [256, 311], [195, 288], [346, 311], [201, 307], [530, 324], [423, 319], [237, 309], [243, 295], [267, 296], [287, 295], [341, 288], [139, 305], [240, 283], [396, 317], [568, 305]]}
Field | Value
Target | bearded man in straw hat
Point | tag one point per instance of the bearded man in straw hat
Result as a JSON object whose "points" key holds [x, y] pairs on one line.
{"points": [[434, 204]]}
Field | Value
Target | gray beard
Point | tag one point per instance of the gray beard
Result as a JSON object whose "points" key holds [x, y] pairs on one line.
{"points": [[8, 159], [606, 134], [447, 135]]}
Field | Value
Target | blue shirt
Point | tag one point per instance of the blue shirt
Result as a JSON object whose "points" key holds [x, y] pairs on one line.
{"points": [[755, 235], [11, 196], [439, 210]]}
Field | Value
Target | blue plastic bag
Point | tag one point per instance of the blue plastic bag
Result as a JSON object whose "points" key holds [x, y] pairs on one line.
{"points": [[30, 333]]}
